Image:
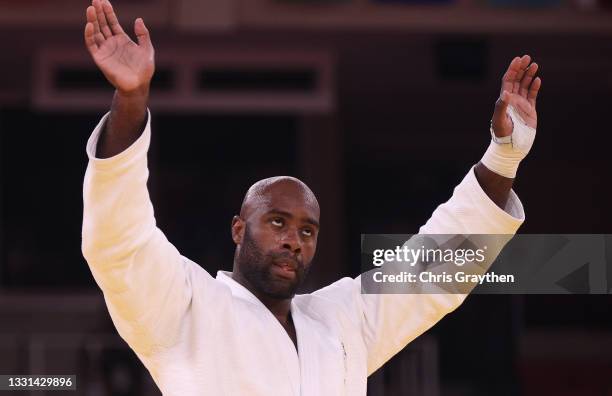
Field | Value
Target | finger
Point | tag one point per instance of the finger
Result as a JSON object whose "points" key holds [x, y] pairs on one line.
{"points": [[532, 95], [93, 19], [525, 60], [510, 75], [102, 19], [111, 18], [142, 34], [527, 79], [90, 41]]}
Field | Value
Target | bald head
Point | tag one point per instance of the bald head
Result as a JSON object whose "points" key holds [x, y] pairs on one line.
{"points": [[266, 192]]}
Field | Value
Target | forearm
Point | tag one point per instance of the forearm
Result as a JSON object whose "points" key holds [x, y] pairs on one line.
{"points": [[495, 186], [126, 122], [117, 211]]}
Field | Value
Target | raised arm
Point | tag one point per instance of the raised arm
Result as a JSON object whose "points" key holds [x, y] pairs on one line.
{"points": [[147, 284], [483, 203], [128, 66]]}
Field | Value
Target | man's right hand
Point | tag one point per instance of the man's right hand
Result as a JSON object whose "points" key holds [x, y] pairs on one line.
{"points": [[128, 66]]}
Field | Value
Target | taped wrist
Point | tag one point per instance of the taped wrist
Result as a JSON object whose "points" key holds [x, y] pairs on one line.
{"points": [[504, 155]]}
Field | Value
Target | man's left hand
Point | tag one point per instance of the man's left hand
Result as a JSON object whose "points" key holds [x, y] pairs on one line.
{"points": [[520, 90]]}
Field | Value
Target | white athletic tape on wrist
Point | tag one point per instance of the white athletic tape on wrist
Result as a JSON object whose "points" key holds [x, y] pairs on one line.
{"points": [[504, 155]]}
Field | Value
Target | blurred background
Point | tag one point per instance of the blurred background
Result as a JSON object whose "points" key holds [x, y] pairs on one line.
{"points": [[381, 107]]}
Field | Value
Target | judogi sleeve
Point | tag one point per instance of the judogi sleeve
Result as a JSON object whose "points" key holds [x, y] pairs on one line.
{"points": [[388, 322], [145, 281]]}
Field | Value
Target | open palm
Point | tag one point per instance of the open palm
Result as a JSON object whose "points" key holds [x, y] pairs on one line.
{"points": [[520, 90], [127, 66]]}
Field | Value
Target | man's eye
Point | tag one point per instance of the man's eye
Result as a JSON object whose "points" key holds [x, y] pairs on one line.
{"points": [[307, 232], [277, 222]]}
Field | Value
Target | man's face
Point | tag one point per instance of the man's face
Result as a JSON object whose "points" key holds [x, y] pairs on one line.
{"points": [[279, 241]]}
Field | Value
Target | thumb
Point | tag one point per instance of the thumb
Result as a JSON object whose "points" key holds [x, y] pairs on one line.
{"points": [[501, 105], [142, 34]]}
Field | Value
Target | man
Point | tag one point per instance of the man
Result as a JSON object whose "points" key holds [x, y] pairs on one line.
{"points": [[244, 332]]}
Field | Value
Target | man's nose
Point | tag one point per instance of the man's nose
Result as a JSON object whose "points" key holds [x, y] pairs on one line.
{"points": [[291, 241]]}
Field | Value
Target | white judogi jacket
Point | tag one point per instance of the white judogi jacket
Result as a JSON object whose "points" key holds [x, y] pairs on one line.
{"points": [[199, 335]]}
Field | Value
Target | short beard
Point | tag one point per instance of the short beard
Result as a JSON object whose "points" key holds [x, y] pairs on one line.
{"points": [[255, 266]]}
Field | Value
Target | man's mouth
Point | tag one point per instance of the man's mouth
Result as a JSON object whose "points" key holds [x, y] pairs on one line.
{"points": [[286, 264], [285, 268]]}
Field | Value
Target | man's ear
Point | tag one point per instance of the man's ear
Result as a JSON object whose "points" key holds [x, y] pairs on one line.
{"points": [[237, 229]]}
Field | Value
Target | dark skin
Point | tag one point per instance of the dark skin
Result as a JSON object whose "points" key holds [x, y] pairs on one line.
{"points": [[129, 67]]}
